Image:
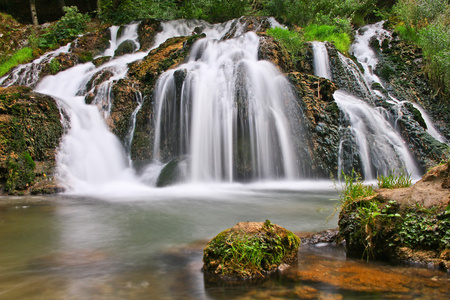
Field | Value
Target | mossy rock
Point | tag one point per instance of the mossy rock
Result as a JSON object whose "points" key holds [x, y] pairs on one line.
{"points": [[172, 173], [126, 47], [249, 250]]}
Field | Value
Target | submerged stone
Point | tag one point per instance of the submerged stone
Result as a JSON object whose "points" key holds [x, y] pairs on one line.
{"points": [[249, 250]]}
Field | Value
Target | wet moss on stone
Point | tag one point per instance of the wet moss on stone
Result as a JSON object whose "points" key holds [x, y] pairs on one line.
{"points": [[250, 250]]}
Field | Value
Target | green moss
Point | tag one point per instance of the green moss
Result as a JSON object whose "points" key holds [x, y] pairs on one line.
{"points": [[237, 254], [20, 172]]}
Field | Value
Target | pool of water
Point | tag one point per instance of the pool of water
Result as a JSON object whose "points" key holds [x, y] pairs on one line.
{"points": [[148, 245]]}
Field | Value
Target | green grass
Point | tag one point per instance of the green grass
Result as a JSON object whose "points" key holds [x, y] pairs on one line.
{"points": [[315, 32], [394, 181], [353, 188], [291, 40], [21, 56]]}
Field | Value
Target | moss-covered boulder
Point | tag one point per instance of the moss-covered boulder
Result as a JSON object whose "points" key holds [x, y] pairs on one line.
{"points": [[406, 224], [249, 250], [30, 131]]}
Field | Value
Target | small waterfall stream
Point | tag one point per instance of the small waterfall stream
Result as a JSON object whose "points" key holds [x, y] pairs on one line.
{"points": [[380, 148]]}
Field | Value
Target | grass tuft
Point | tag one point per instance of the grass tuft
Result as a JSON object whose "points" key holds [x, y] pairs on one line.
{"points": [[21, 56]]}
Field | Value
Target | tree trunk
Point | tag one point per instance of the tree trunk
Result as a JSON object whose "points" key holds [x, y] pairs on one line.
{"points": [[99, 10], [33, 12]]}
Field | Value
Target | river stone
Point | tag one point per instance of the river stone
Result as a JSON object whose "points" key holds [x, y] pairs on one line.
{"points": [[249, 250], [125, 47]]}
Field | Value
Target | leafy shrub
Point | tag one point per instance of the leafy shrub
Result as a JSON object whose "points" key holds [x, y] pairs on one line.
{"points": [[21, 56], [68, 27]]}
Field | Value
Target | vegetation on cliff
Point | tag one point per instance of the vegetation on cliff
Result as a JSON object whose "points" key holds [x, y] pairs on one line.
{"points": [[400, 222]]}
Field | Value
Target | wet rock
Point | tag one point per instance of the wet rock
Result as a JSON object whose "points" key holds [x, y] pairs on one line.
{"points": [[172, 173], [101, 60], [249, 250], [147, 30], [315, 98], [126, 47], [256, 24], [30, 131], [92, 44]]}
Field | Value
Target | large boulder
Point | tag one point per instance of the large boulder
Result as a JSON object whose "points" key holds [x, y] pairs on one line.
{"points": [[406, 224], [30, 132], [249, 250]]}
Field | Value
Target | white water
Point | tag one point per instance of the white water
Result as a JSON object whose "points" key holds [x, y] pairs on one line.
{"points": [[28, 74], [321, 61], [90, 156], [228, 94], [381, 148]]}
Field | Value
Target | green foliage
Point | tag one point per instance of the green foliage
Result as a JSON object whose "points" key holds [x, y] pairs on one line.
{"points": [[54, 66], [426, 24], [394, 181], [121, 12], [291, 40], [68, 27], [21, 56], [425, 229], [353, 188], [341, 40]]}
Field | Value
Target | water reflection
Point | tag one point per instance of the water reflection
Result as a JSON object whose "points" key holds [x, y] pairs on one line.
{"points": [[150, 247]]}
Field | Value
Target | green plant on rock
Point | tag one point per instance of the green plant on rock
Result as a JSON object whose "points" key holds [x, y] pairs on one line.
{"points": [[238, 254], [424, 228], [394, 181], [19, 57], [68, 27], [330, 33], [291, 40], [354, 188]]}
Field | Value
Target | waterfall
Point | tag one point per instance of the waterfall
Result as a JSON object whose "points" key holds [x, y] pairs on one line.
{"points": [[229, 112], [368, 59], [321, 61], [90, 155], [380, 148]]}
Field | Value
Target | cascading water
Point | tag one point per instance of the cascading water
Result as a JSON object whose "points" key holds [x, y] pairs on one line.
{"points": [[368, 59], [89, 153], [380, 148], [28, 74], [230, 112], [321, 61]]}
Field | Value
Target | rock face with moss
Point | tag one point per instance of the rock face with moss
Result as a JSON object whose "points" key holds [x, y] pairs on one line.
{"points": [[404, 224], [249, 250], [30, 131]]}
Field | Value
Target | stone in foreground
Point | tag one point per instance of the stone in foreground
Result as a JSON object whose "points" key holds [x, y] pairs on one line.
{"points": [[250, 250]]}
